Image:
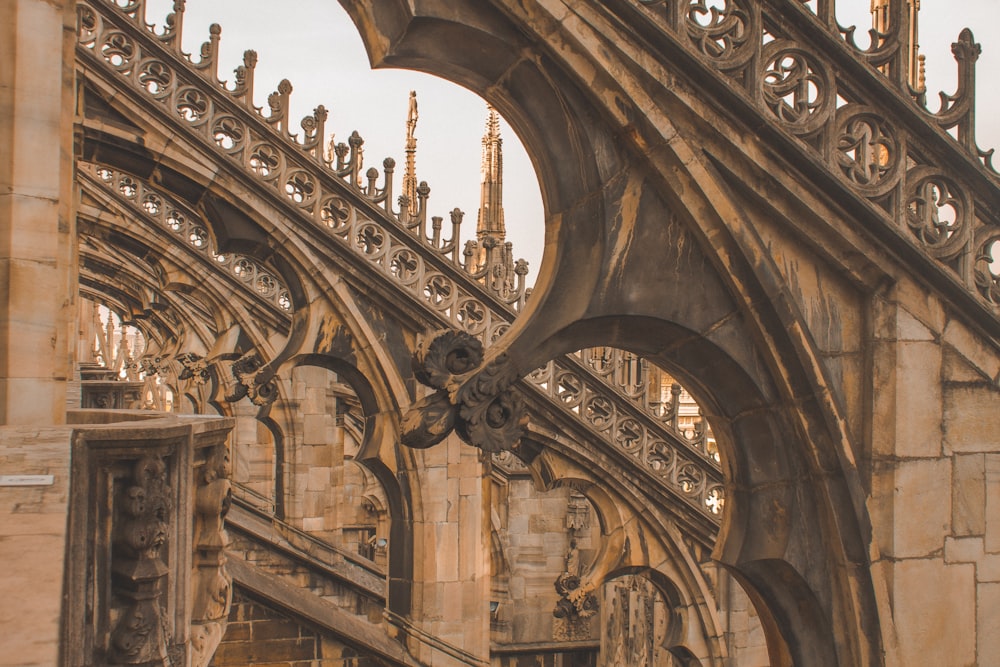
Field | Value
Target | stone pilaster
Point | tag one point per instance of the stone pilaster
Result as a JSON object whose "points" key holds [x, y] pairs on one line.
{"points": [[37, 226]]}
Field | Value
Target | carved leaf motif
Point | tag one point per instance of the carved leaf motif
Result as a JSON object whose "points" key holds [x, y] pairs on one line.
{"points": [[428, 421], [445, 354], [495, 425]]}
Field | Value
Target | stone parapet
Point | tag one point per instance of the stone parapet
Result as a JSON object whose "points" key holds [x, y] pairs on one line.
{"points": [[34, 490], [146, 578]]}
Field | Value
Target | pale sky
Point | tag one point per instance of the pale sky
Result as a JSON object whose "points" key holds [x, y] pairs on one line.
{"points": [[314, 45]]}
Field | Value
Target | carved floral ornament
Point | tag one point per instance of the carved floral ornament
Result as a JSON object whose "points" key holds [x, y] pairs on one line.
{"points": [[475, 400], [254, 380]]}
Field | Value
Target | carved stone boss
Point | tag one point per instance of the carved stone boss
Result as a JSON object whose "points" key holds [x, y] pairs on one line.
{"points": [[473, 398]]}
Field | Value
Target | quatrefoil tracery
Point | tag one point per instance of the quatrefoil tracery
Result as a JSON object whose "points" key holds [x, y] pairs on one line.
{"points": [[797, 88], [937, 212], [867, 149]]}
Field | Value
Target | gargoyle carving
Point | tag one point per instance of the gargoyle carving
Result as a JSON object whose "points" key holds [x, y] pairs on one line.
{"points": [[253, 380]]}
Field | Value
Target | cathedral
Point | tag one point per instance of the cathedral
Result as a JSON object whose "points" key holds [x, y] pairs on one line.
{"points": [[261, 405]]}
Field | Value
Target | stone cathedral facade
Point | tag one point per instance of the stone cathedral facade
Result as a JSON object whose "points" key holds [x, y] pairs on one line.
{"points": [[262, 408]]}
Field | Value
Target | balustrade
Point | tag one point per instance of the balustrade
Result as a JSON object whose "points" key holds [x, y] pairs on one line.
{"points": [[859, 114]]}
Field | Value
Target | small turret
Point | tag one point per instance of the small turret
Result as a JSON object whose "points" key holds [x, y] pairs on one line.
{"points": [[490, 221]]}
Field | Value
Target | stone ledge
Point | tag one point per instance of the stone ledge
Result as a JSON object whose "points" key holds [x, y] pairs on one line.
{"points": [[318, 612]]}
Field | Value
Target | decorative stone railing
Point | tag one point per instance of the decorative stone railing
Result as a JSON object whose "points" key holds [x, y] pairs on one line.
{"points": [[855, 113], [686, 465], [159, 209], [311, 178], [332, 200], [146, 568]]}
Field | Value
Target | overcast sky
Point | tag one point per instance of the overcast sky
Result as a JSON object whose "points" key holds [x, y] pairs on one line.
{"points": [[314, 45]]}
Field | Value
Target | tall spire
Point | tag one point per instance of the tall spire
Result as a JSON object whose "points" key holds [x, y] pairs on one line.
{"points": [[410, 174], [490, 222], [881, 21]]}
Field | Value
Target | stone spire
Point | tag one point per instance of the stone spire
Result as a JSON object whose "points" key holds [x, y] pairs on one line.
{"points": [[410, 174], [880, 22], [490, 222]]}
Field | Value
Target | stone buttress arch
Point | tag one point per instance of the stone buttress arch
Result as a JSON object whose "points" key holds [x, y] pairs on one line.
{"points": [[635, 538], [627, 195]]}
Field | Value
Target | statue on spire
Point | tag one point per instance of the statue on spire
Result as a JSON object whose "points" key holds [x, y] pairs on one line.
{"points": [[410, 174]]}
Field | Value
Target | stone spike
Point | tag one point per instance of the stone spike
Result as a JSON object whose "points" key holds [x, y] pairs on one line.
{"points": [[490, 222], [209, 62], [173, 27], [885, 13]]}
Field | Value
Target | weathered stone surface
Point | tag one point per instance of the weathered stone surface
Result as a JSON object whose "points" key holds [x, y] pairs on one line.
{"points": [[992, 510], [919, 393], [979, 354], [968, 501], [36, 241], [987, 613], [923, 507], [928, 596], [971, 421], [33, 522]]}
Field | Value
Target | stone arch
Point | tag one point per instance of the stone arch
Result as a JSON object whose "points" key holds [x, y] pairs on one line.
{"points": [[371, 457], [768, 506], [636, 540], [677, 624], [615, 179]]}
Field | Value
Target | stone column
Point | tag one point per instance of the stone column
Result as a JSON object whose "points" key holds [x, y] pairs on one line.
{"points": [[450, 623], [37, 227]]}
